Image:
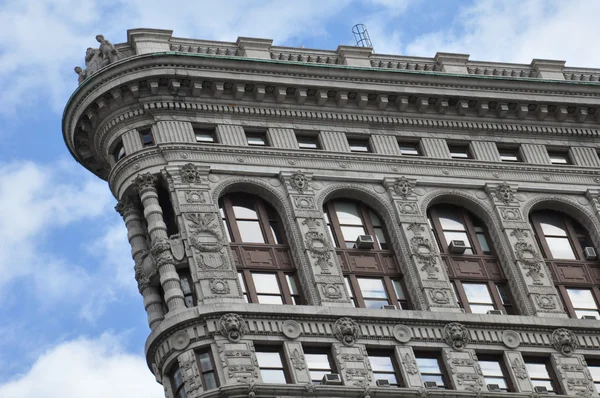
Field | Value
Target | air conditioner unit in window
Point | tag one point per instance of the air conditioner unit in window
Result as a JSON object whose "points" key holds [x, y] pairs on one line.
{"points": [[589, 317], [493, 387], [495, 312], [332, 379], [590, 253], [382, 383], [457, 246], [364, 242], [540, 389], [430, 384], [388, 307]]}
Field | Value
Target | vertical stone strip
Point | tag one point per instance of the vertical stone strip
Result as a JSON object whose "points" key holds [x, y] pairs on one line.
{"points": [[132, 142], [334, 141], [385, 144], [535, 154], [161, 249], [517, 371], [132, 216], [529, 278], [353, 365], [484, 150], [190, 373], [587, 157], [426, 277], [231, 135], [464, 370], [323, 278], [298, 369], [282, 138], [409, 369], [435, 148], [573, 375], [171, 131]]}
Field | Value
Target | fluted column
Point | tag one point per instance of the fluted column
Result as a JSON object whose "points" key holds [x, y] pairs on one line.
{"points": [[132, 216], [160, 248]]}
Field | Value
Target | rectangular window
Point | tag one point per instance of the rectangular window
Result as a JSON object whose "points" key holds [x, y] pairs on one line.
{"points": [[205, 136], [509, 154], [350, 291], [119, 152], [257, 138], [308, 141], [400, 296], [270, 364], [431, 368], [146, 137], [187, 287], [207, 369], [318, 362], [243, 286], [460, 151], [373, 292], [267, 288], [559, 157], [493, 371], [178, 384], [539, 373], [294, 290], [594, 368], [409, 148], [384, 367], [479, 297], [506, 299], [583, 302], [359, 145]]}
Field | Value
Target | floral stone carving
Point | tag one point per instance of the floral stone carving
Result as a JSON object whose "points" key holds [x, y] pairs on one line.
{"points": [[564, 341], [425, 256], [319, 249], [205, 235], [144, 181], [531, 260], [519, 368], [219, 286], [233, 327], [410, 364], [347, 331], [456, 335]]}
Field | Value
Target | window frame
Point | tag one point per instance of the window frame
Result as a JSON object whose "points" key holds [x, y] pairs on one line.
{"points": [[118, 152], [177, 389], [184, 273], [274, 349], [438, 357], [551, 375], [516, 150], [383, 353], [505, 374], [360, 142], [286, 295], [146, 132], [209, 131], [319, 350], [207, 351], [314, 137], [492, 282], [457, 147], [257, 133], [563, 153], [574, 241], [409, 143], [595, 363]]}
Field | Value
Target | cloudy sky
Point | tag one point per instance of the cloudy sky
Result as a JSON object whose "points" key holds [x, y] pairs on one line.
{"points": [[72, 323]]}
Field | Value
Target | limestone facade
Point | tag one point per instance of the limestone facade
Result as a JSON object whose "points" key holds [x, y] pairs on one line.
{"points": [[144, 122]]}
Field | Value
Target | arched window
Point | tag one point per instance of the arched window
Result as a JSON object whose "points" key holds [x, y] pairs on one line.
{"points": [[472, 265], [372, 276], [570, 255], [262, 256]]}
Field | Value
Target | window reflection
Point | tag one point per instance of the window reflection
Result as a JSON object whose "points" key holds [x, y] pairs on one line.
{"points": [[493, 374], [479, 297], [583, 302]]}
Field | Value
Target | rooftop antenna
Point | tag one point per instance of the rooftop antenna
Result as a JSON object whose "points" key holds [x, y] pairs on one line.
{"points": [[361, 36]]}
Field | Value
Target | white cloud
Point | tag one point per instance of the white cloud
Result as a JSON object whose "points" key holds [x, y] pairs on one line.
{"points": [[85, 368]]}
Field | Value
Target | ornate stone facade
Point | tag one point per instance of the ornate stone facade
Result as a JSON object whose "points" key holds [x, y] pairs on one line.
{"points": [[186, 262]]}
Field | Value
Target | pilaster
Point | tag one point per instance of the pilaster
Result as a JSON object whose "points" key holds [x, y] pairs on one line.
{"points": [[298, 371], [463, 369], [426, 277], [532, 281], [517, 371], [334, 141], [353, 365], [484, 150], [238, 361], [160, 247], [211, 264], [385, 144], [583, 156], [537, 154], [409, 370], [573, 375], [172, 131], [228, 134], [435, 148], [282, 138], [325, 273], [132, 142], [190, 373]]}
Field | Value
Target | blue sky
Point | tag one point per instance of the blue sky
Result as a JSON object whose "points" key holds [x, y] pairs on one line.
{"points": [[70, 315]]}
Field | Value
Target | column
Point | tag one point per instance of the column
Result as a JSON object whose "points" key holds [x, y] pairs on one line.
{"points": [[409, 368], [517, 371], [385, 144], [535, 154], [334, 141], [426, 277], [485, 150], [160, 248], [144, 266], [528, 275], [298, 369], [323, 275], [435, 148]]}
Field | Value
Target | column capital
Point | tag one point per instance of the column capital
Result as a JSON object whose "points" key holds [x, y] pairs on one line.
{"points": [[125, 206], [144, 182]]}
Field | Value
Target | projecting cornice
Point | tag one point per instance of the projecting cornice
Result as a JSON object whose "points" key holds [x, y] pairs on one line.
{"points": [[273, 89]]}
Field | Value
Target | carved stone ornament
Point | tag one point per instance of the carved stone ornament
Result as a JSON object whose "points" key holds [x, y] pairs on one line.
{"points": [[564, 341], [511, 339], [402, 187], [124, 206], [291, 329], [161, 252], [425, 255], [299, 182], [304, 202], [510, 214], [191, 174], [416, 228], [408, 207], [439, 296], [194, 196], [219, 286], [145, 181], [519, 368], [318, 247], [297, 359], [332, 291], [311, 223], [177, 248], [180, 340], [190, 375], [233, 327], [519, 233], [402, 333], [205, 235], [504, 193], [456, 335], [347, 331], [145, 269], [409, 363], [95, 59], [531, 260], [546, 301]]}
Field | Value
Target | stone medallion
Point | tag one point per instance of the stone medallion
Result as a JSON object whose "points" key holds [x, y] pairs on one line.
{"points": [[291, 329], [402, 333], [511, 339], [180, 340]]}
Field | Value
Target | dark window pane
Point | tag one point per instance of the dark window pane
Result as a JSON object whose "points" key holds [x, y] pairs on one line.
{"points": [[459, 151], [177, 378], [204, 136], [509, 155], [308, 142], [408, 149], [559, 157], [210, 380], [504, 294], [205, 362], [449, 219], [552, 224]]}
